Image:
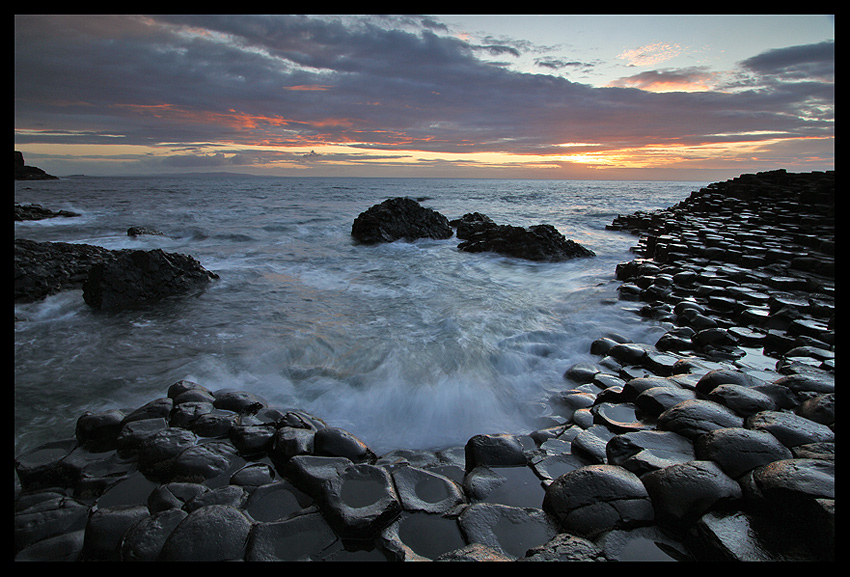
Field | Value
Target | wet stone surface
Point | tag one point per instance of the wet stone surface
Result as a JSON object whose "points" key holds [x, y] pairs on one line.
{"points": [[714, 443]]}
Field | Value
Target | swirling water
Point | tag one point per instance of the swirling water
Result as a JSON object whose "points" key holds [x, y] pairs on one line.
{"points": [[407, 345]]}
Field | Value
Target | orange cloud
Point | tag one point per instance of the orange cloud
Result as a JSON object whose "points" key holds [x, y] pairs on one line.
{"points": [[231, 118], [308, 87]]}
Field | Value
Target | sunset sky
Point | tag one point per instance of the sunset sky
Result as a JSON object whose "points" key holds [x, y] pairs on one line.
{"points": [[656, 97]]}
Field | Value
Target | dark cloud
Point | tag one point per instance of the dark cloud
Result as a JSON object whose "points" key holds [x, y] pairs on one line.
{"points": [[796, 62], [389, 83]]}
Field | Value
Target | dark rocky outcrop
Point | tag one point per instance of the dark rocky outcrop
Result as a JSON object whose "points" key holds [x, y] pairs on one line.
{"points": [[38, 212], [136, 278], [24, 172], [404, 218], [399, 218], [46, 268], [110, 279], [538, 243]]}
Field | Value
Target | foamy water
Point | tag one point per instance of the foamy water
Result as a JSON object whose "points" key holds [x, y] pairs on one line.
{"points": [[407, 345]]}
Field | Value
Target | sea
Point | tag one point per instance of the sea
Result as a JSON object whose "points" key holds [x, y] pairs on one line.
{"points": [[407, 345]]}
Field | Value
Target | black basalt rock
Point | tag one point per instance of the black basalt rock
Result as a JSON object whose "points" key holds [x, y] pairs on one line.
{"points": [[137, 278], [399, 218], [536, 243]]}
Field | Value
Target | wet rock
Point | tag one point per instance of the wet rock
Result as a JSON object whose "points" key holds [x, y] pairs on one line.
{"points": [[184, 414], [790, 429], [419, 536], [174, 495], [137, 278], [798, 494], [360, 501], [537, 243], [143, 230], [744, 401], [590, 443], [99, 430], [289, 442], [399, 218], [426, 491], [38, 212], [515, 486], [212, 533], [511, 531], [205, 461], [820, 409], [682, 493], [494, 450], [737, 450], [643, 451], [230, 495], [696, 417], [240, 402], [656, 400], [253, 475], [157, 453], [46, 268], [105, 529], [276, 501], [305, 537], [719, 377], [65, 547], [593, 499], [619, 417], [336, 442], [144, 540], [738, 536], [474, 552], [471, 223], [52, 515], [644, 544], [565, 547], [252, 440]]}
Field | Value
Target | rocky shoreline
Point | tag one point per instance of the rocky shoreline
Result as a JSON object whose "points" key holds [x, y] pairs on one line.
{"points": [[714, 443]]}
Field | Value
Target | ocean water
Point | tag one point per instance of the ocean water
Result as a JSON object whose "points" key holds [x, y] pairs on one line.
{"points": [[407, 345]]}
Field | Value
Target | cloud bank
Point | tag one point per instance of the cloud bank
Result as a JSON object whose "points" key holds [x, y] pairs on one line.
{"points": [[254, 90]]}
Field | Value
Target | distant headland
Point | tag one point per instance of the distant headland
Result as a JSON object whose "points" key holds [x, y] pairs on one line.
{"points": [[24, 172]]}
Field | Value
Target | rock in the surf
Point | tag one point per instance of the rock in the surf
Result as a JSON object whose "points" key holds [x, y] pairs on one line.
{"points": [[399, 218]]}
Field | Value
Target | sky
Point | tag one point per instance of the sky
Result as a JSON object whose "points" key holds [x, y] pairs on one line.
{"points": [[559, 96]]}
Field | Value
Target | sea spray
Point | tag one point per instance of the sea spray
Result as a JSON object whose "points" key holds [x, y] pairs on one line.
{"points": [[408, 345]]}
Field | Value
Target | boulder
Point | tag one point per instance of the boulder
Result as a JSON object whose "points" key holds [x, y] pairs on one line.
{"points": [[738, 450], [596, 498], [494, 450], [359, 501], [211, 533], [399, 218], [537, 243], [137, 277], [682, 493], [696, 417]]}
